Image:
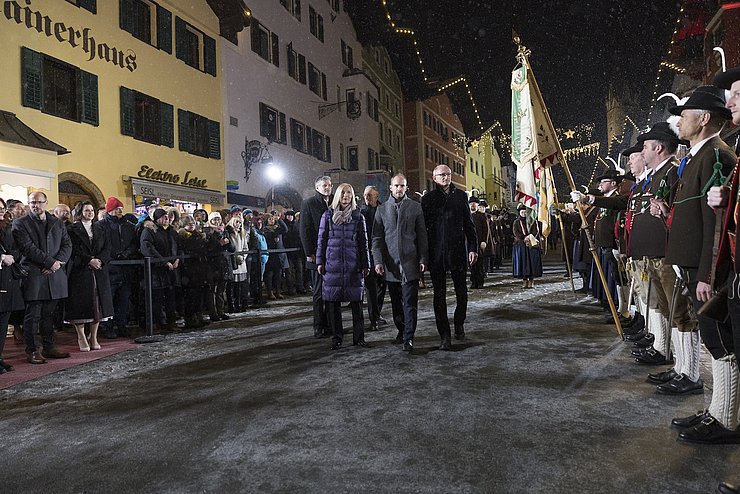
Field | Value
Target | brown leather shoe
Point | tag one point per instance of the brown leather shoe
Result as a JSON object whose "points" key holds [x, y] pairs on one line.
{"points": [[35, 358], [54, 352]]}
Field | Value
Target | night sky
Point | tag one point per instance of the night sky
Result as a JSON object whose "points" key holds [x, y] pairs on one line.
{"points": [[578, 49]]}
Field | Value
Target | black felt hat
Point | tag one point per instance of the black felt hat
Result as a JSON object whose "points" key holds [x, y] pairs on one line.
{"points": [[725, 79], [473, 199], [661, 131], [610, 175], [633, 149], [708, 98]]}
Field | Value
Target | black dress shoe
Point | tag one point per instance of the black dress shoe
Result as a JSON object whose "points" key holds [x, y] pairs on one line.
{"points": [[5, 366], [317, 333], [639, 352], [632, 329], [445, 345], [459, 333], [709, 431], [361, 343], [636, 336], [373, 326], [725, 488], [680, 385], [382, 321], [399, 339], [662, 377], [691, 420], [408, 346], [336, 345], [645, 342], [651, 357]]}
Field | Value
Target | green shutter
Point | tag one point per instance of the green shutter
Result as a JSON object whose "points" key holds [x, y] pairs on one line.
{"points": [[283, 137], [181, 43], [323, 86], [126, 12], [214, 140], [168, 124], [90, 5], [209, 55], [275, 50], [327, 155], [128, 111], [183, 130], [309, 140], [164, 29], [32, 79], [89, 113], [301, 69]]}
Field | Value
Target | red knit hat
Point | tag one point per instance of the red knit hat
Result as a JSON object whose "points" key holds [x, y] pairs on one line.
{"points": [[112, 203]]}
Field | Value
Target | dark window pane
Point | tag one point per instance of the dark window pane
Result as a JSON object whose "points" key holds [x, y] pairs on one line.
{"points": [[60, 90], [147, 119]]}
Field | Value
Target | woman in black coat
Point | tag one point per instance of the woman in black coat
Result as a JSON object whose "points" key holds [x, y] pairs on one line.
{"points": [[219, 244], [11, 297], [159, 241], [90, 300], [526, 258]]}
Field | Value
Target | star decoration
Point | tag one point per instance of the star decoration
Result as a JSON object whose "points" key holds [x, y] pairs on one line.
{"points": [[569, 134]]}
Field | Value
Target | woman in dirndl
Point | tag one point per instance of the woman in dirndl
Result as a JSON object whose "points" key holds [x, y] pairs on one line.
{"points": [[526, 257]]}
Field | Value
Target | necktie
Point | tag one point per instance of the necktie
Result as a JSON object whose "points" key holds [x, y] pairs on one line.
{"points": [[647, 182], [682, 165]]}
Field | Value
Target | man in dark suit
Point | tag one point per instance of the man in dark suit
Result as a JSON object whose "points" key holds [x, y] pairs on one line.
{"points": [[311, 211], [477, 270], [453, 246], [45, 248], [690, 246], [374, 283]]}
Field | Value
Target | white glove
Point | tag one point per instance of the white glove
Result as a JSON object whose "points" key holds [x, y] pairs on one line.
{"points": [[576, 196]]}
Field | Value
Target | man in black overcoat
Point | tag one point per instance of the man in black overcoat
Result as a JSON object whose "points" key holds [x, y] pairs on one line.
{"points": [[45, 248], [453, 246]]}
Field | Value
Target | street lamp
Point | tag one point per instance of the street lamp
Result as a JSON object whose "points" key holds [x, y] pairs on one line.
{"points": [[275, 175]]}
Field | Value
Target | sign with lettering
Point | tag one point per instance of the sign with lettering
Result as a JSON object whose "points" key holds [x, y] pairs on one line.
{"points": [[167, 191], [37, 21], [189, 181]]}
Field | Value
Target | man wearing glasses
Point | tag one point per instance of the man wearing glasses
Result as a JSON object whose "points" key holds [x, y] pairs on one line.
{"points": [[45, 247], [453, 246]]}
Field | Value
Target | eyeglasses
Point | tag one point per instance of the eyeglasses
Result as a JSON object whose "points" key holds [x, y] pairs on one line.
{"points": [[443, 174], [33, 203]]}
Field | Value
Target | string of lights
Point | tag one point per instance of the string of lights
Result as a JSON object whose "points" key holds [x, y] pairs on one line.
{"points": [[664, 65]]}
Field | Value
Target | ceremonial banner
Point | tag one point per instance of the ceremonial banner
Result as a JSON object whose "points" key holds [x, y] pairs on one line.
{"points": [[545, 198], [547, 144], [523, 138]]}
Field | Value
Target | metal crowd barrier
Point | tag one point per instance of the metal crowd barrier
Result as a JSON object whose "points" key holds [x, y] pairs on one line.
{"points": [[147, 263]]}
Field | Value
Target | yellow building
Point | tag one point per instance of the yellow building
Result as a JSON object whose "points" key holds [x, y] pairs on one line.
{"points": [[483, 178], [131, 89], [475, 179]]}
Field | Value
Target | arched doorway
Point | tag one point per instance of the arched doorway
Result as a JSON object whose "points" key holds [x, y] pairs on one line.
{"points": [[285, 197], [74, 187]]}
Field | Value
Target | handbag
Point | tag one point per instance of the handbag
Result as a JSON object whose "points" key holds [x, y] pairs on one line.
{"points": [[18, 272]]}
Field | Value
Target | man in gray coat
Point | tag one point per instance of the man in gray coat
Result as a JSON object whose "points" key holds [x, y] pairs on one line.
{"points": [[400, 254], [45, 248]]}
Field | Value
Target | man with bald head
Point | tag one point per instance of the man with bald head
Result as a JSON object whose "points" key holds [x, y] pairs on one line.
{"points": [[453, 246], [374, 283], [45, 248], [63, 213]]}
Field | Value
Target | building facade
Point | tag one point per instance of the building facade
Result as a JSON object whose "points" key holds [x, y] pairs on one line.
{"points": [[377, 64], [297, 104], [131, 89], [434, 136]]}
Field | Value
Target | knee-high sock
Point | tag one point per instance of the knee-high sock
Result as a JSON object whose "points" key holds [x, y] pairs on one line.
{"points": [[678, 351], [691, 343], [725, 393], [658, 326]]}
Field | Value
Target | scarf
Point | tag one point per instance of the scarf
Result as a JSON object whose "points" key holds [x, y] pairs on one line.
{"points": [[342, 216]]}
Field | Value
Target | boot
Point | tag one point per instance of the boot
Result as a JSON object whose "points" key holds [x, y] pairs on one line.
{"points": [[530, 283], [81, 340], [524, 284], [94, 345]]}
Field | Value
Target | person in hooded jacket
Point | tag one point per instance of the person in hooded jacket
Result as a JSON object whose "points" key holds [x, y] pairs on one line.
{"points": [[159, 241], [343, 260]]}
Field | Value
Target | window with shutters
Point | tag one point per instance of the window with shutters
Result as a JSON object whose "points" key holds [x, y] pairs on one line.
{"points": [[272, 124], [266, 44], [316, 23], [372, 108], [373, 162], [58, 88], [292, 6], [146, 118], [316, 81], [90, 5], [296, 65], [147, 21], [198, 135], [194, 47], [347, 55], [297, 135], [353, 160]]}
